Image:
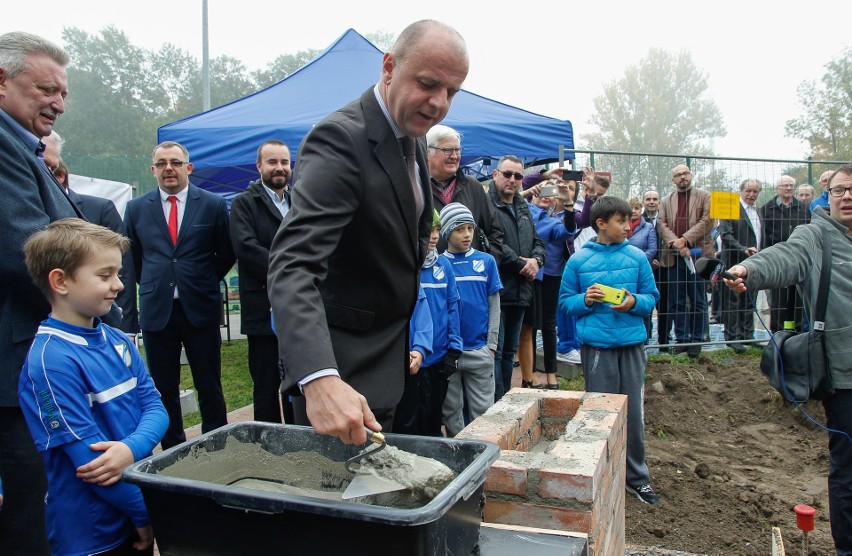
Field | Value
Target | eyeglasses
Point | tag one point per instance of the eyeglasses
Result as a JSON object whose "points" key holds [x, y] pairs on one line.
{"points": [[161, 165], [448, 150], [839, 191], [682, 174], [508, 175]]}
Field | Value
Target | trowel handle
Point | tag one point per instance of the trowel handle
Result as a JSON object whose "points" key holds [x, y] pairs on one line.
{"points": [[374, 436]]}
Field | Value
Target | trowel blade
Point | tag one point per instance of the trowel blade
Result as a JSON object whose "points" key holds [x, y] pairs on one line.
{"points": [[366, 484]]}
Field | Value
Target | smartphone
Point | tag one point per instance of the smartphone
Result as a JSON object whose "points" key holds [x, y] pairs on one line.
{"points": [[611, 295], [572, 175], [548, 191]]}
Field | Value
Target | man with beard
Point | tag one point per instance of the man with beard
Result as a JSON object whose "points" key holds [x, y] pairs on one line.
{"points": [[780, 216], [256, 214], [684, 224]]}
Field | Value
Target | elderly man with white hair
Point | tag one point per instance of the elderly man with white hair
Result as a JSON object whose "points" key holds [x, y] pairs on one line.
{"points": [[450, 185]]}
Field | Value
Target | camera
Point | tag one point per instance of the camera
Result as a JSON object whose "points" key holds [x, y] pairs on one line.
{"points": [[572, 175]]}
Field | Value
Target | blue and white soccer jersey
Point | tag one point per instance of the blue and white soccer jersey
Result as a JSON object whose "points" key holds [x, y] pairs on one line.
{"points": [[439, 283], [477, 278], [80, 386]]}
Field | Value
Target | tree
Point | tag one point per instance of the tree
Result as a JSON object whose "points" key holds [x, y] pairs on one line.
{"points": [[659, 106], [282, 66], [827, 120]]}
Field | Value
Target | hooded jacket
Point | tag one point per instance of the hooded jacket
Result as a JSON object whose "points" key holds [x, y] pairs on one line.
{"points": [[619, 266]]}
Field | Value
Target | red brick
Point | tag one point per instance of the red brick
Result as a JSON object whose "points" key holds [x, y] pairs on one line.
{"points": [[506, 478], [566, 486], [535, 434], [545, 517], [608, 402], [552, 430], [530, 418], [560, 404], [485, 429]]}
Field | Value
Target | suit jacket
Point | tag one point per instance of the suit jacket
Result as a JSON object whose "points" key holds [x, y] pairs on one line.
{"points": [[31, 199], [254, 221], [345, 264], [737, 236], [103, 213], [201, 258], [699, 226]]}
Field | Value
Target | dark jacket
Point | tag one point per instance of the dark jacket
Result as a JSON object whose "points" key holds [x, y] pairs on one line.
{"points": [[779, 220], [519, 240], [737, 236], [201, 258], [254, 221], [471, 194]]}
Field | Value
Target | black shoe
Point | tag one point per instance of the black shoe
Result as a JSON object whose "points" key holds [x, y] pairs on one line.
{"points": [[714, 320], [680, 349], [738, 348], [693, 351], [664, 349], [516, 364], [531, 384], [644, 493]]}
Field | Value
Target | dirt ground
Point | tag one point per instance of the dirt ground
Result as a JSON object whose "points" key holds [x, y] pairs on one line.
{"points": [[729, 459]]}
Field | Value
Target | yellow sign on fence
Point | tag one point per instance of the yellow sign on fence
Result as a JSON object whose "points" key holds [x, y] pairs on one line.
{"points": [[724, 205]]}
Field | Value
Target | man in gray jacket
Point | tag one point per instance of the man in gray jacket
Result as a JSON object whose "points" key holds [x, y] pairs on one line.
{"points": [[798, 261]]}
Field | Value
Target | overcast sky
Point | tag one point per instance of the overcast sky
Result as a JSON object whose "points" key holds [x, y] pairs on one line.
{"points": [[547, 57]]}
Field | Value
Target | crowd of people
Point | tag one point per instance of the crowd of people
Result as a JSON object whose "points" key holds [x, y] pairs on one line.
{"points": [[381, 288]]}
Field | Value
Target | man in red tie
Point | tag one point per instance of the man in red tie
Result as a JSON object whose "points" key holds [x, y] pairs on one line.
{"points": [[180, 242]]}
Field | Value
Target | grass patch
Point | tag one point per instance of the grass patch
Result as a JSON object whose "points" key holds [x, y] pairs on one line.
{"points": [[236, 380]]}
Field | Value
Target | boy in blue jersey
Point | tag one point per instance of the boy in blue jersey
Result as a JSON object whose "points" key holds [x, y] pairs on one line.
{"points": [[612, 337], [420, 411], [479, 286], [407, 418], [87, 398]]}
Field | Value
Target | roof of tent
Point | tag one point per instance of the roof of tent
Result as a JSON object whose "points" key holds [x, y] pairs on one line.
{"points": [[223, 142]]}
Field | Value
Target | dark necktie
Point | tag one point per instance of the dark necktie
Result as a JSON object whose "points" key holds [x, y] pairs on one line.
{"points": [[408, 150], [173, 219]]}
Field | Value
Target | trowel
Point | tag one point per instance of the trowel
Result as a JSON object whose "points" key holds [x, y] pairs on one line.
{"points": [[365, 483]]}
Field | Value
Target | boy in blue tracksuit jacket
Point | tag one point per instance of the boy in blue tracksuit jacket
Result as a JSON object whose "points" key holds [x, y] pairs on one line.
{"points": [[86, 395], [419, 412], [612, 337]]}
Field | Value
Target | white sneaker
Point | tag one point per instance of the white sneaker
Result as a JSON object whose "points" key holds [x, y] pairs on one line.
{"points": [[574, 357]]}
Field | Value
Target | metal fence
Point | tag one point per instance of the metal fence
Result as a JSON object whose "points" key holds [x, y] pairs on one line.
{"points": [[134, 170], [634, 173]]}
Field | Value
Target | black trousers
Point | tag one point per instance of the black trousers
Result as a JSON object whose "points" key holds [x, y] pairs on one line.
{"points": [[22, 530], [785, 304], [420, 409], [263, 363], [203, 351], [838, 416], [737, 315], [549, 306], [664, 322]]}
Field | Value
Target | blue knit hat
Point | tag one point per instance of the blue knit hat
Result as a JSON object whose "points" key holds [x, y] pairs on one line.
{"points": [[454, 215]]}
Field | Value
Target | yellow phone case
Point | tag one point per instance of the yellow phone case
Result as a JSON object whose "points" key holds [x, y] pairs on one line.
{"points": [[611, 295]]}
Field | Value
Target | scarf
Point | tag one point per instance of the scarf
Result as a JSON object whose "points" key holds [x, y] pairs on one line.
{"points": [[431, 259]]}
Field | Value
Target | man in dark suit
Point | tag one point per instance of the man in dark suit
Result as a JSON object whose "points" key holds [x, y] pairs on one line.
{"points": [[33, 86], [740, 240], [256, 214], [123, 314], [345, 263], [181, 249]]}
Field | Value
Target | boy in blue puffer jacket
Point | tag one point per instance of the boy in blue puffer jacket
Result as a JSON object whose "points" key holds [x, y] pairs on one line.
{"points": [[612, 336]]}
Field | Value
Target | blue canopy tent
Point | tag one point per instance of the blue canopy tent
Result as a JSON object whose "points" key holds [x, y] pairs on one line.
{"points": [[223, 142]]}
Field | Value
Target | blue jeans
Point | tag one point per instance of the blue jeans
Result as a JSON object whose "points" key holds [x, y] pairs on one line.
{"points": [[687, 302], [511, 319]]}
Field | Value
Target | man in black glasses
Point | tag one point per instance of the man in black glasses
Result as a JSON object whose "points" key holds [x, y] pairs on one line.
{"points": [[345, 263], [181, 249], [798, 261], [451, 185], [523, 256]]}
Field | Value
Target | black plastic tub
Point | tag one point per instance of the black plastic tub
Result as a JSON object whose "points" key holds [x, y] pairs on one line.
{"points": [[199, 517]]}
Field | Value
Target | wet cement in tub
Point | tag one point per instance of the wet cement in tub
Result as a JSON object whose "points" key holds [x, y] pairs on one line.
{"points": [[248, 465]]}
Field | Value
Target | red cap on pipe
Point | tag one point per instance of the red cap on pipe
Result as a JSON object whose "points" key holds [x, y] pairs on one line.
{"points": [[804, 517]]}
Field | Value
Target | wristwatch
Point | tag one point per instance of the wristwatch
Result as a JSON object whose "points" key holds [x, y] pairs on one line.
{"points": [[540, 261]]}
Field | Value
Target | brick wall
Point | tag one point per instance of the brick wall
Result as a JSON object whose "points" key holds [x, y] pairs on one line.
{"points": [[562, 463]]}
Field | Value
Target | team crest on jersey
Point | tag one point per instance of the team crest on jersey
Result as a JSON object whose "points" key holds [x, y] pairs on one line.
{"points": [[124, 353], [438, 272], [54, 424], [479, 266]]}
